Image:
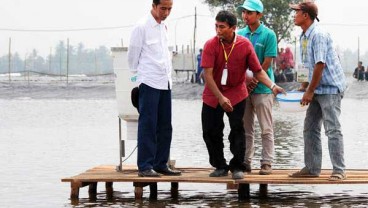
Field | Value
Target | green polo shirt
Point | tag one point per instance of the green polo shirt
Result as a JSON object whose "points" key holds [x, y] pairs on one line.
{"points": [[265, 44]]}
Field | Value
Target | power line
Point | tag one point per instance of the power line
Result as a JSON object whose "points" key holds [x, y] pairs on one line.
{"points": [[63, 30], [86, 29]]}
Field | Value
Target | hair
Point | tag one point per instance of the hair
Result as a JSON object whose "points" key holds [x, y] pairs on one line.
{"points": [[156, 2], [226, 16]]}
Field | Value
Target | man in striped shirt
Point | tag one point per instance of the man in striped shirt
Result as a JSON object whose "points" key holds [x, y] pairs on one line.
{"points": [[323, 94]]}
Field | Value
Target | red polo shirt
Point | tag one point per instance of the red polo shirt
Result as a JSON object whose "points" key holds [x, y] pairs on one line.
{"points": [[241, 58]]}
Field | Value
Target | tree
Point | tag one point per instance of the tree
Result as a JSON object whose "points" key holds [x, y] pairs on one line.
{"points": [[276, 14]]}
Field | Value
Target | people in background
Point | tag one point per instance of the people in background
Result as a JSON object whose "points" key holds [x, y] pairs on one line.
{"points": [[199, 76], [289, 65], [280, 66], [259, 102], [359, 72], [323, 93], [225, 59], [280, 63], [149, 56], [288, 58]]}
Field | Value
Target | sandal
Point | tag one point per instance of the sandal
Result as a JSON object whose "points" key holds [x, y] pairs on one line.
{"points": [[303, 173], [337, 177]]}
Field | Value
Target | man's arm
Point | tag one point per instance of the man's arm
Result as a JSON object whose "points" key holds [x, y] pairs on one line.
{"points": [[252, 82], [135, 48], [316, 78], [266, 63], [264, 79], [211, 84]]}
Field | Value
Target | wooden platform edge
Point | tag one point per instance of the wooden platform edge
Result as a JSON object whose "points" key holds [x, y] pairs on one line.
{"points": [[109, 175]]}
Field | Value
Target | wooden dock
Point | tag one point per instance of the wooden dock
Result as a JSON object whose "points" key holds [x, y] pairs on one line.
{"points": [[108, 175]]}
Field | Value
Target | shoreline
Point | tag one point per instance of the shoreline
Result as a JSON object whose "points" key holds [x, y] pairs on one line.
{"points": [[105, 89]]}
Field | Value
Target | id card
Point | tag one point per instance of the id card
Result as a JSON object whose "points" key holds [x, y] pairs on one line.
{"points": [[224, 77], [302, 74]]}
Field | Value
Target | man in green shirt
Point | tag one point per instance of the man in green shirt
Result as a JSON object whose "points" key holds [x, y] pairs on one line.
{"points": [[260, 101]]}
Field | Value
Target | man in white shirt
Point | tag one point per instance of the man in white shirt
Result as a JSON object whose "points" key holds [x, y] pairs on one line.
{"points": [[149, 56]]}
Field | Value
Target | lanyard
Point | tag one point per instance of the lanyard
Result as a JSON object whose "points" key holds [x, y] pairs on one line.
{"points": [[304, 49], [225, 54]]}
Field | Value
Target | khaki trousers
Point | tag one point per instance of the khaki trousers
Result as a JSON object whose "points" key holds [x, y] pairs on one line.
{"points": [[259, 105]]}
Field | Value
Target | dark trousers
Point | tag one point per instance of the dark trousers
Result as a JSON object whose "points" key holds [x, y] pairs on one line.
{"points": [[154, 128], [213, 126]]}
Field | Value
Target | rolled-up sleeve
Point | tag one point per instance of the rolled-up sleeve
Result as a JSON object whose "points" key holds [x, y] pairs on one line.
{"points": [[320, 48]]}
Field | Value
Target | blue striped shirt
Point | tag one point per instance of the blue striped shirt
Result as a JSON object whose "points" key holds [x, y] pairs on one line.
{"points": [[320, 49]]}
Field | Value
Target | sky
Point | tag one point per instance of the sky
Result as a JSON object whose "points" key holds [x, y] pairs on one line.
{"points": [[114, 20]]}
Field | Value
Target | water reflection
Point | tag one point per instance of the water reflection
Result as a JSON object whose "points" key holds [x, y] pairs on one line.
{"points": [[297, 196]]}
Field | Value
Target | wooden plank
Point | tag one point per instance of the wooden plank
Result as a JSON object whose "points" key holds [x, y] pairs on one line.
{"points": [[107, 173]]}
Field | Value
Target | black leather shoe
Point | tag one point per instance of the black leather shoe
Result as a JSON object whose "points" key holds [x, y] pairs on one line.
{"points": [[148, 173], [169, 172]]}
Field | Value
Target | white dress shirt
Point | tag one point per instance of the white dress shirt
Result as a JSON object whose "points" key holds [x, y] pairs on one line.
{"points": [[148, 53]]}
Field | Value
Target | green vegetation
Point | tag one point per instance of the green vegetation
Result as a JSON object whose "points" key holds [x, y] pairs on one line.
{"points": [[277, 15]]}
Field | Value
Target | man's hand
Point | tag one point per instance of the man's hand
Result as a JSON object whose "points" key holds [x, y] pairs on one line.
{"points": [[251, 83], [226, 104], [277, 89], [307, 98]]}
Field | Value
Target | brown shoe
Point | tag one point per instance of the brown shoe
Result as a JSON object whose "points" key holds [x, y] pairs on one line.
{"points": [[265, 169], [303, 173]]}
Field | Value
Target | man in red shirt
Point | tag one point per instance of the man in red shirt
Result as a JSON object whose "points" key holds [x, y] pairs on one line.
{"points": [[225, 59]]}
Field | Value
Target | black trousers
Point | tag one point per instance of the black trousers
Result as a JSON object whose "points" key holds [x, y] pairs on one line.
{"points": [[213, 126]]}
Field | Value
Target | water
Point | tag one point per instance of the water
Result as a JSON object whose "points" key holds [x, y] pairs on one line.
{"points": [[51, 131]]}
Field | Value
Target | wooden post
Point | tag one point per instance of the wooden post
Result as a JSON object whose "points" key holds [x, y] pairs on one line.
{"points": [[263, 190], [92, 190], [138, 190], [174, 190], [153, 190], [74, 193], [243, 191], [109, 190]]}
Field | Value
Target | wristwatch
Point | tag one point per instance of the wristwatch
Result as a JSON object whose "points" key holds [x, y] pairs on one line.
{"points": [[272, 86]]}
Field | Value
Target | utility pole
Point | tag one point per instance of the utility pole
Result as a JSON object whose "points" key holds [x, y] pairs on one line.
{"points": [[60, 60], [295, 52], [194, 44], [358, 49], [25, 66], [67, 63], [9, 69], [96, 62], [195, 29], [50, 61]]}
